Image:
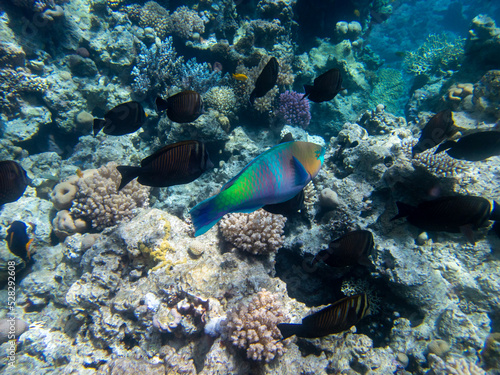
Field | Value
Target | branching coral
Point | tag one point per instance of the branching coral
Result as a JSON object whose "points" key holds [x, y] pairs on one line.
{"points": [[259, 232], [436, 55], [222, 99], [453, 366], [99, 203], [294, 110], [253, 326]]}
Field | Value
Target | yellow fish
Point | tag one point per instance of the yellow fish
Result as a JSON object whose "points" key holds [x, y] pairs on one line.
{"points": [[240, 77], [357, 13]]}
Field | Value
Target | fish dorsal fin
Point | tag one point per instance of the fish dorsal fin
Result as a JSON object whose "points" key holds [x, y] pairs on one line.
{"points": [[301, 175], [162, 150]]}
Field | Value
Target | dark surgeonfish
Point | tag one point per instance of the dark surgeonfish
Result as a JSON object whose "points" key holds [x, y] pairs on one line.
{"points": [[437, 129], [185, 106], [266, 80], [19, 241], [13, 181], [450, 214], [334, 318], [473, 147], [123, 119], [349, 250], [325, 87], [175, 164]]}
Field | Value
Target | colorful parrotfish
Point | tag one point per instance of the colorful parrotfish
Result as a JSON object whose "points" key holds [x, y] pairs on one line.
{"points": [[275, 176]]}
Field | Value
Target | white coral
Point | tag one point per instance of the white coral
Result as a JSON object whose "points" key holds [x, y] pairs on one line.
{"points": [[259, 232], [253, 326], [453, 366]]}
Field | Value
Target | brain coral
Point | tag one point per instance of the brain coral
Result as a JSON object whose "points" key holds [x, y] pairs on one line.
{"points": [[252, 326], [99, 203], [259, 232]]}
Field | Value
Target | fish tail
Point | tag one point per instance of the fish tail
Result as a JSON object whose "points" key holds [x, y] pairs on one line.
{"points": [[307, 89], [289, 329], [444, 146], [98, 125], [403, 210], [205, 215], [128, 174], [161, 104]]}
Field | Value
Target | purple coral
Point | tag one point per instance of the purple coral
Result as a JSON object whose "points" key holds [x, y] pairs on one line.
{"points": [[293, 109]]}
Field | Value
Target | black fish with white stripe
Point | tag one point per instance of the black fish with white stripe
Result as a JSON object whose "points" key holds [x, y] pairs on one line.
{"points": [[175, 164], [334, 318]]}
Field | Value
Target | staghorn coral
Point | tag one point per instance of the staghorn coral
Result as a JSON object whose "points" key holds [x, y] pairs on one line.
{"points": [[453, 366], [441, 165], [253, 326], [100, 204], [184, 22], [294, 109], [259, 232], [222, 99], [435, 56]]}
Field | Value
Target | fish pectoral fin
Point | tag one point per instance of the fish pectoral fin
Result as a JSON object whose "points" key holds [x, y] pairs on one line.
{"points": [[301, 175], [444, 146], [467, 231]]}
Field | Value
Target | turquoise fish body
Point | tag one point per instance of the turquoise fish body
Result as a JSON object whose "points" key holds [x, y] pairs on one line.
{"points": [[275, 176]]}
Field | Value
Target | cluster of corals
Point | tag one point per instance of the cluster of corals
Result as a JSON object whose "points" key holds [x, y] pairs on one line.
{"points": [[253, 326], [294, 110], [441, 165], [266, 33], [92, 199], [222, 99], [151, 15], [259, 232], [436, 55], [185, 22], [11, 55], [13, 83], [198, 76], [389, 89], [453, 366], [486, 95], [156, 67]]}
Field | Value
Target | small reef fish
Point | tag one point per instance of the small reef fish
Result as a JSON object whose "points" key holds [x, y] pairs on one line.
{"points": [[437, 129], [349, 250], [473, 147], [123, 119], [274, 176], [185, 106], [357, 13], [450, 214], [240, 77], [175, 164], [13, 181], [334, 318], [266, 80], [325, 87], [19, 241]]}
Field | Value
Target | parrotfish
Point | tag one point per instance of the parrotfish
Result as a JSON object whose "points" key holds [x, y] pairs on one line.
{"points": [[13, 181], [450, 214], [334, 318], [175, 164], [18, 240], [275, 176], [437, 129], [185, 106], [325, 87], [473, 147], [123, 119], [266, 80]]}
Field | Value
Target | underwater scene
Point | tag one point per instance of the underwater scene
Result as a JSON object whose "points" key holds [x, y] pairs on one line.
{"points": [[250, 187]]}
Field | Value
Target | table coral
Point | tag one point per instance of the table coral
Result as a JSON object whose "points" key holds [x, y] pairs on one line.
{"points": [[253, 326], [259, 232]]}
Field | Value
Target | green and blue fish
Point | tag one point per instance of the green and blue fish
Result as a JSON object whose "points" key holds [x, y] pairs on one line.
{"points": [[275, 176]]}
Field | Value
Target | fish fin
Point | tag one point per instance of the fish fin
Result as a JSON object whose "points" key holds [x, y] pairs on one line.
{"points": [[307, 89], [28, 245], [161, 104], [403, 210], [468, 233], [289, 329], [301, 175], [128, 174], [252, 98], [205, 215], [444, 146], [365, 261], [98, 125]]}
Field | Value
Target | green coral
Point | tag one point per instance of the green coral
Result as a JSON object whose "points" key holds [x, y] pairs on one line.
{"points": [[436, 55], [389, 89]]}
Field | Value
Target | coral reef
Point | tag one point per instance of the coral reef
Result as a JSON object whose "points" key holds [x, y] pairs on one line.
{"points": [[222, 99], [259, 232], [293, 109], [453, 366], [252, 326], [486, 96], [186, 22]]}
